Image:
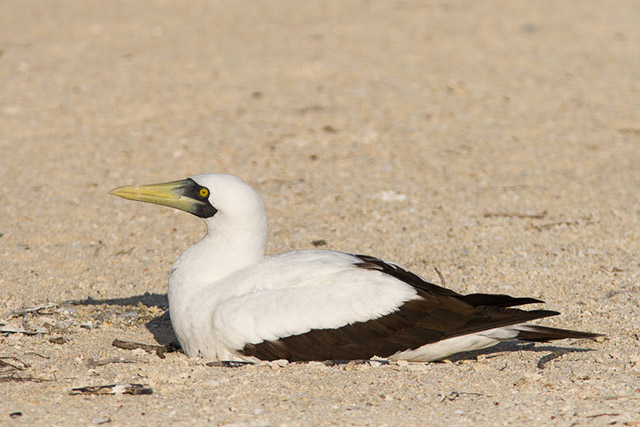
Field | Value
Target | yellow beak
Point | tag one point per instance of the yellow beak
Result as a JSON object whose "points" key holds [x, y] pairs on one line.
{"points": [[175, 194]]}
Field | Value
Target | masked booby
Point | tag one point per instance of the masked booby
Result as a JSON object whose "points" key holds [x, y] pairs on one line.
{"points": [[228, 301]]}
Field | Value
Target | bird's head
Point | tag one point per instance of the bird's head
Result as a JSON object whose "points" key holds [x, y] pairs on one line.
{"points": [[205, 196]]}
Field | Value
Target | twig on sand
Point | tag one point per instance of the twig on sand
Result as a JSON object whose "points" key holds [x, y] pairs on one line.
{"points": [[455, 394], [24, 311], [442, 281], [15, 364], [125, 388], [614, 397], [159, 350], [92, 363], [15, 377], [30, 331], [37, 354], [606, 414]]}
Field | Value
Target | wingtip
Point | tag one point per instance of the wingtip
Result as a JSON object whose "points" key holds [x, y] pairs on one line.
{"points": [[498, 300], [536, 333]]}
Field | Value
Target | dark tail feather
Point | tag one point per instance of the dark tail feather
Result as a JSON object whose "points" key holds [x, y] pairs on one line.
{"points": [[544, 334], [493, 300]]}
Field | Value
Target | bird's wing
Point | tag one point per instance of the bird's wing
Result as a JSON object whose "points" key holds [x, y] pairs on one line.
{"points": [[352, 307], [296, 292]]}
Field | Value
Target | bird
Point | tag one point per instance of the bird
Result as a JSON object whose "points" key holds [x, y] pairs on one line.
{"points": [[228, 301]]}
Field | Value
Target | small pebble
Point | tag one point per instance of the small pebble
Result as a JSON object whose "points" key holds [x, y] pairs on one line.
{"points": [[58, 340], [281, 363]]}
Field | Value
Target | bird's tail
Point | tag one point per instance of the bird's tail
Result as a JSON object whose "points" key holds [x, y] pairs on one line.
{"points": [[536, 333]]}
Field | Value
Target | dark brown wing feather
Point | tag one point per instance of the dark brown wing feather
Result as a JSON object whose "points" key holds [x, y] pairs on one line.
{"points": [[537, 333], [438, 314]]}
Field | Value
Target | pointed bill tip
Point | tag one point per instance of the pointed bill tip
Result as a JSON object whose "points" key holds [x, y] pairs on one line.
{"points": [[142, 192], [116, 191]]}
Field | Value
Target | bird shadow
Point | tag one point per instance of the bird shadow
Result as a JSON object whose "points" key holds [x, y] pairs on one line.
{"points": [[159, 326], [551, 351], [146, 299]]}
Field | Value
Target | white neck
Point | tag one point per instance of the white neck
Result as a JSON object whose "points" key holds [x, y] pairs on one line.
{"points": [[228, 246]]}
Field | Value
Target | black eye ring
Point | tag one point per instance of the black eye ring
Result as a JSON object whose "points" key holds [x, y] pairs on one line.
{"points": [[204, 192]]}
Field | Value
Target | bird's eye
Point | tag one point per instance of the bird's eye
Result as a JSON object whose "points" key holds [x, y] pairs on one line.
{"points": [[204, 192]]}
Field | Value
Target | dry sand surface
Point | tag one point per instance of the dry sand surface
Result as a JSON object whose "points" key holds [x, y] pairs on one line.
{"points": [[497, 141]]}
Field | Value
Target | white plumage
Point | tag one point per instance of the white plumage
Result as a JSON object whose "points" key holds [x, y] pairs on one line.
{"points": [[229, 302]]}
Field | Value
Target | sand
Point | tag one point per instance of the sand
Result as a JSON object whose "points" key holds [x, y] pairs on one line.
{"points": [[496, 141]]}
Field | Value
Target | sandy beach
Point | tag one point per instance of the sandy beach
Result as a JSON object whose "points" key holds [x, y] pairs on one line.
{"points": [[497, 142]]}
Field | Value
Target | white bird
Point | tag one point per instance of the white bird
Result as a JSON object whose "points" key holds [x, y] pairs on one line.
{"points": [[228, 301]]}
